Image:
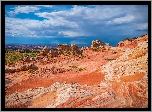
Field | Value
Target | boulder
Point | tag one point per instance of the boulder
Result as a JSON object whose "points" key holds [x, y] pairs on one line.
{"points": [[75, 49], [107, 46], [26, 59], [32, 66], [20, 68], [63, 47], [97, 44], [10, 70], [53, 53], [67, 50], [32, 59], [44, 51], [23, 68]]}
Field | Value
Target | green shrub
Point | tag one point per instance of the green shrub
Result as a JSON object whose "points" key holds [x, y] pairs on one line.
{"points": [[81, 69], [73, 66], [12, 56], [82, 56], [31, 71], [95, 49], [110, 59]]}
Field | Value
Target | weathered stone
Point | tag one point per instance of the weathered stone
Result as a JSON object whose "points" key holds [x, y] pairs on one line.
{"points": [[54, 53], [44, 52], [26, 59], [65, 50], [107, 46], [99, 44]]}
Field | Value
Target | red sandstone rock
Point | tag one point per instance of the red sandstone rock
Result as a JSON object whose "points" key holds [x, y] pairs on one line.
{"points": [[121, 83]]}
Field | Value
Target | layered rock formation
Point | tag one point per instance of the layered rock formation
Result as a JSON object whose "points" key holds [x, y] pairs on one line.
{"points": [[99, 44], [118, 83], [44, 51], [62, 49], [54, 53], [24, 67], [128, 76], [131, 42], [69, 49]]}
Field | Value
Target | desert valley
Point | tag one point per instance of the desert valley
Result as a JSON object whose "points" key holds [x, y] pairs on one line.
{"points": [[99, 76]]}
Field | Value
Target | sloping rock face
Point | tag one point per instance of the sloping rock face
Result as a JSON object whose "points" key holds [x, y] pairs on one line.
{"points": [[132, 42], [129, 42], [128, 76]]}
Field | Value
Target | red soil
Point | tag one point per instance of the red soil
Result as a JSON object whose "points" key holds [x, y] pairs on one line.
{"points": [[93, 78], [132, 78], [90, 76]]}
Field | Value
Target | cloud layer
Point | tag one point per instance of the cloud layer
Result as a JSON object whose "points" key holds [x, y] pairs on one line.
{"points": [[75, 21]]}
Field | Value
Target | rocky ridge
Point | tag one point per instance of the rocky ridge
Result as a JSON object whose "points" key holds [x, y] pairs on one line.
{"points": [[132, 42]]}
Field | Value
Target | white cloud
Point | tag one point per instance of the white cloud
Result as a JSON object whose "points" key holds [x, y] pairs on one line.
{"points": [[48, 6], [78, 21], [142, 26], [120, 20], [56, 20], [80, 18], [11, 13], [31, 28], [23, 9], [97, 13], [71, 33], [18, 27]]}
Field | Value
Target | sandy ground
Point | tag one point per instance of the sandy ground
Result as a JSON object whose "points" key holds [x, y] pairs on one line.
{"points": [[91, 75]]}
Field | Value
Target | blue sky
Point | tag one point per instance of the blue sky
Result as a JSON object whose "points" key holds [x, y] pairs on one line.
{"points": [[74, 24]]}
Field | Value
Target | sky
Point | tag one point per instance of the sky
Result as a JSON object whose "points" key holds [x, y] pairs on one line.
{"points": [[74, 24]]}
